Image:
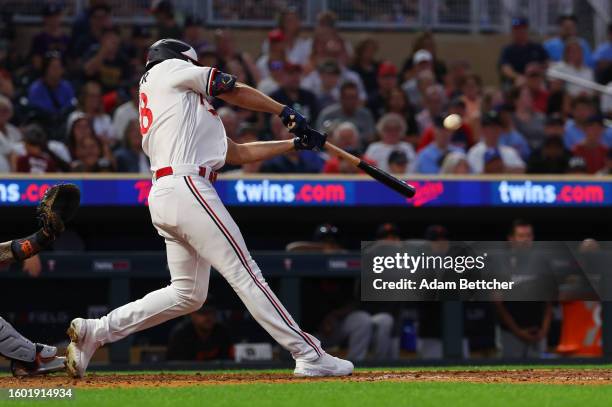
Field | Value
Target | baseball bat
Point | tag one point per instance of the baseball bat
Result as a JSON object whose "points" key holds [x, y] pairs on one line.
{"points": [[379, 175]]}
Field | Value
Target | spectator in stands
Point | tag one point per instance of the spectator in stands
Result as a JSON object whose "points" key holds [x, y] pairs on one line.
{"points": [[489, 148], [167, 27], [365, 63], [128, 111], [137, 47], [90, 103], [105, 62], [271, 83], [91, 155], [52, 37], [386, 80], [396, 102], [520, 52], [434, 105], [130, 157], [591, 148], [423, 62], [193, 32], [455, 162], [296, 96], [582, 108], [602, 59], [424, 81], [90, 34], [424, 41], [276, 52], [391, 129], [199, 337], [510, 136], [555, 47], [348, 109], [528, 121], [462, 137], [524, 325], [552, 157], [534, 81], [430, 158], [329, 91], [247, 133], [225, 46], [52, 95], [298, 48], [328, 43], [471, 94], [573, 64], [303, 161], [345, 136], [454, 81], [35, 160], [398, 163], [388, 232], [10, 136]]}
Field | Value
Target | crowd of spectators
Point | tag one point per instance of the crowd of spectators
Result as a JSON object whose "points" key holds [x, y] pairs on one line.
{"points": [[71, 102]]}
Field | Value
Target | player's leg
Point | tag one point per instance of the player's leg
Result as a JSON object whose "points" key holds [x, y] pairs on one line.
{"points": [[383, 328], [215, 235], [357, 327], [27, 358]]}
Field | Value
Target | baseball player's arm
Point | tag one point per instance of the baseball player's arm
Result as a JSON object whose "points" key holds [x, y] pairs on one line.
{"points": [[238, 154], [246, 97]]}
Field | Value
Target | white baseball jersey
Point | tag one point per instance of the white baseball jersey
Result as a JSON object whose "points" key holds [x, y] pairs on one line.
{"points": [[177, 123]]}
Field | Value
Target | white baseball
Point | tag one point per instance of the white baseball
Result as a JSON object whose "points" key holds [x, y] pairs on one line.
{"points": [[452, 122]]}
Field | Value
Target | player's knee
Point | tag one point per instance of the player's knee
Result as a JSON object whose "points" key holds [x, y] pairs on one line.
{"points": [[190, 300], [383, 321]]}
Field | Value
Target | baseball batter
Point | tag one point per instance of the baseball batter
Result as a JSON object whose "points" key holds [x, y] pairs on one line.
{"points": [[186, 142]]}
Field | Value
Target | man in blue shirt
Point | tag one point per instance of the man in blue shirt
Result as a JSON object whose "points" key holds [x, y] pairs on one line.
{"points": [[582, 109], [51, 93], [430, 158], [567, 29]]}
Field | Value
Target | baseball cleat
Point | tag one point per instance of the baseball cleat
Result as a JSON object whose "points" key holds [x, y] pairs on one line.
{"points": [[82, 347], [326, 365]]}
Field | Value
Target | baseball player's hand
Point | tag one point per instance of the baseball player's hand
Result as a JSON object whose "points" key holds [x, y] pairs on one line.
{"points": [[294, 121], [309, 139]]}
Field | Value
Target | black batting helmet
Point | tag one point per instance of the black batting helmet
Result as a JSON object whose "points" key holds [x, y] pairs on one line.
{"points": [[169, 48]]}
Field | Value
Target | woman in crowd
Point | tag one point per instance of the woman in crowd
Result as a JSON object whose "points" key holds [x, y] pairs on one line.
{"points": [[89, 156], [391, 129], [90, 103], [527, 121], [130, 157], [10, 136], [573, 65], [397, 102]]}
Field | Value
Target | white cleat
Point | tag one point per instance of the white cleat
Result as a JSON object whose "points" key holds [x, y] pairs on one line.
{"points": [[326, 365], [82, 347]]}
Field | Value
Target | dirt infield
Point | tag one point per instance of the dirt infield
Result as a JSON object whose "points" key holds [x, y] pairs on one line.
{"points": [[542, 376]]}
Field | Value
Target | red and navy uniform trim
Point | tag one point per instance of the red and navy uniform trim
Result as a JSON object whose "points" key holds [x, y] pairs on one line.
{"points": [[211, 77], [194, 191]]}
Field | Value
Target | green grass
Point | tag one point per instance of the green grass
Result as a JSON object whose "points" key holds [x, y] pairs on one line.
{"points": [[352, 394]]}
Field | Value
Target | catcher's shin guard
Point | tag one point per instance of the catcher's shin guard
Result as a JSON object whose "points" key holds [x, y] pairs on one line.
{"points": [[15, 346]]}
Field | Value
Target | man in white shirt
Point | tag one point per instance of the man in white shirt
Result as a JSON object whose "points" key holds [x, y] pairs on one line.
{"points": [[489, 148]]}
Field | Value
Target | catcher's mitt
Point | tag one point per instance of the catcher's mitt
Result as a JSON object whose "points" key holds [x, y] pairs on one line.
{"points": [[58, 206]]}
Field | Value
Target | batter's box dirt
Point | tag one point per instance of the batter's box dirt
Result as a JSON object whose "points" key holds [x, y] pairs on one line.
{"points": [[543, 376]]}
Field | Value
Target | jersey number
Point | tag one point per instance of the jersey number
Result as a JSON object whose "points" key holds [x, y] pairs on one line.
{"points": [[146, 115]]}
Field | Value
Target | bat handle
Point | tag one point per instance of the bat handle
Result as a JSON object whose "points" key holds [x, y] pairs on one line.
{"points": [[340, 153]]}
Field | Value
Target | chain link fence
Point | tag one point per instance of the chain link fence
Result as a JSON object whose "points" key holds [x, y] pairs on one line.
{"points": [[450, 15]]}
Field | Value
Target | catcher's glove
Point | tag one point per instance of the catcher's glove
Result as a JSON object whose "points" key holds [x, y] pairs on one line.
{"points": [[58, 206]]}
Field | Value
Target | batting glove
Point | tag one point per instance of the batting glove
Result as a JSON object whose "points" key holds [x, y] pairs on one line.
{"points": [[294, 121], [309, 139]]}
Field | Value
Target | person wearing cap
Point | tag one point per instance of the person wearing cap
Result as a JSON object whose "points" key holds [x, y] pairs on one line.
{"points": [[591, 148], [427, 42], [391, 129], [276, 52], [582, 108], [489, 147], [35, 160], [510, 136], [313, 80], [528, 121], [200, 336], [293, 94], [348, 109], [568, 28], [52, 37], [521, 51], [430, 158], [552, 157], [398, 163], [422, 62], [386, 80], [573, 64]]}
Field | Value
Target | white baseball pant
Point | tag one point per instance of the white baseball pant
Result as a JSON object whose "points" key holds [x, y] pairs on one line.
{"points": [[199, 232]]}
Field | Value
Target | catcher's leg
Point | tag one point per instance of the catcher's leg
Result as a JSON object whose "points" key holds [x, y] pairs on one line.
{"points": [[27, 358]]}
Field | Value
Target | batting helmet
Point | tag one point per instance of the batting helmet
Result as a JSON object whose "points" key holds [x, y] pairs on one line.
{"points": [[169, 48]]}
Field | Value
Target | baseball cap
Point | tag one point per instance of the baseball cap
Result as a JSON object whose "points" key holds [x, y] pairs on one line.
{"points": [[492, 154], [387, 68], [329, 66], [422, 55], [276, 35], [436, 232], [398, 157], [519, 21], [386, 230], [490, 118], [34, 135]]}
